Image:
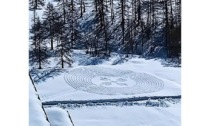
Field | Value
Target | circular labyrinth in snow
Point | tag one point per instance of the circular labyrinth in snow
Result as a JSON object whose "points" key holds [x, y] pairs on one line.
{"points": [[109, 81]]}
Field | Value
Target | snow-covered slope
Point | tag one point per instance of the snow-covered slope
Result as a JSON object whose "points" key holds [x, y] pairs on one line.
{"points": [[36, 113]]}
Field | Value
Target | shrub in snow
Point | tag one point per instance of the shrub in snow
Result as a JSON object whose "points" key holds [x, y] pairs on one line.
{"points": [[148, 102], [162, 103]]}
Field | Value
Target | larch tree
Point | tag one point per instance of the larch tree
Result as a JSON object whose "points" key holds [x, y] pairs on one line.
{"points": [[35, 5], [38, 55], [49, 15]]}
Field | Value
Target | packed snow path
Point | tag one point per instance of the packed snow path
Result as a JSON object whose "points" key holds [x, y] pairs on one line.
{"points": [[110, 81]]}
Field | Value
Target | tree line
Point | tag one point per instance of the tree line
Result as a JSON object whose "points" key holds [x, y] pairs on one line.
{"points": [[122, 26]]}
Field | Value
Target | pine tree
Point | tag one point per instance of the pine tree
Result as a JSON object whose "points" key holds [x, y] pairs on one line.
{"points": [[33, 6], [122, 7], [166, 24], [36, 4], [38, 55], [82, 7], [72, 26], [112, 10], [104, 24], [50, 15], [62, 6], [63, 48]]}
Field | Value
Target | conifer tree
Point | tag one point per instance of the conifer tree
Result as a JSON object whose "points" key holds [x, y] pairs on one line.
{"points": [[50, 16], [38, 55]]}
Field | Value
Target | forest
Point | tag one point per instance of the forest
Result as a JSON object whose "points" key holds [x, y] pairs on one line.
{"points": [[105, 62], [148, 28]]}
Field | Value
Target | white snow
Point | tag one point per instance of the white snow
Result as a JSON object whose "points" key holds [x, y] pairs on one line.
{"points": [[56, 88], [36, 113], [127, 116], [113, 81], [58, 117]]}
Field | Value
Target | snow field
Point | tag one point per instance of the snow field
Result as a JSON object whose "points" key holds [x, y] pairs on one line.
{"points": [[127, 116], [109, 81], [149, 77], [163, 81], [58, 117]]}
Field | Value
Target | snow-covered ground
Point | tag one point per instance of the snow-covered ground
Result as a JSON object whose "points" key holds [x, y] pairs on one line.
{"points": [[58, 117], [127, 116], [36, 113], [57, 88], [78, 83], [37, 117], [150, 77], [145, 113]]}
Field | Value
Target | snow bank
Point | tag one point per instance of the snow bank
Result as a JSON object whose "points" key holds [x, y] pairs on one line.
{"points": [[36, 113], [58, 117]]}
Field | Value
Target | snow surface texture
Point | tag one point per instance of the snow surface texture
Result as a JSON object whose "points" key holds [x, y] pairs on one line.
{"points": [[58, 117], [167, 80], [36, 113], [165, 112], [143, 113], [109, 81], [127, 116]]}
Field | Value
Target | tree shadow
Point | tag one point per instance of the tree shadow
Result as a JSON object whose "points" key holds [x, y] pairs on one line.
{"points": [[171, 62], [41, 75]]}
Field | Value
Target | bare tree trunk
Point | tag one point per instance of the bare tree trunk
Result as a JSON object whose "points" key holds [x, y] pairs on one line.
{"points": [[148, 14], [36, 4], [172, 17], [64, 11], [35, 43], [166, 27], [81, 11], [112, 11], [40, 67], [96, 5], [84, 6], [62, 61], [72, 24], [106, 46], [51, 43], [51, 37], [140, 22], [123, 21]]}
